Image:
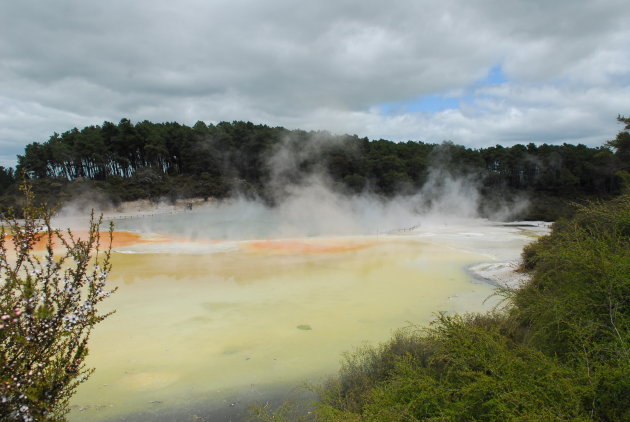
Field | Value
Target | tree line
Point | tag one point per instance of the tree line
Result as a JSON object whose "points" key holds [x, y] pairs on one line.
{"points": [[164, 159]]}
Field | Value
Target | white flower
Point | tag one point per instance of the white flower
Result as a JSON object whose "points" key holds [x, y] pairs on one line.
{"points": [[71, 318]]}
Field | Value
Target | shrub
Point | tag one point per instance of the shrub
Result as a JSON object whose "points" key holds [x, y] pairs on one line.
{"points": [[578, 297], [48, 307], [577, 306], [461, 368]]}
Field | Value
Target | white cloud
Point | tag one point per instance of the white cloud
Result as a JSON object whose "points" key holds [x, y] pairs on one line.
{"points": [[317, 65]]}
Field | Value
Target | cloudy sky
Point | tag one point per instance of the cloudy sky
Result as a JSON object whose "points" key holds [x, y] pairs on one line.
{"points": [[477, 72]]}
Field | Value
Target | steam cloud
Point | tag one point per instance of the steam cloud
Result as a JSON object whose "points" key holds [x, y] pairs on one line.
{"points": [[312, 205]]}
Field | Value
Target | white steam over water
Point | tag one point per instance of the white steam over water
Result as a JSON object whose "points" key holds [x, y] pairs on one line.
{"points": [[314, 209]]}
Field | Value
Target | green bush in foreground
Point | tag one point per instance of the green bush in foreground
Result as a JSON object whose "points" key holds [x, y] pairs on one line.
{"points": [[48, 307], [560, 351], [461, 368], [577, 306]]}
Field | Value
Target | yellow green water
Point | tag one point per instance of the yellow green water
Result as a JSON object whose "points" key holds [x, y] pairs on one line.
{"points": [[190, 327]]}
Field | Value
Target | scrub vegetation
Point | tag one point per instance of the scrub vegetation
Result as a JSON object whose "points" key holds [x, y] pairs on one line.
{"points": [[557, 350], [48, 307]]}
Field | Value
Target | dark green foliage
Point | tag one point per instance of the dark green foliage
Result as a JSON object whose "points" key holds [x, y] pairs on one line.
{"points": [[154, 160], [577, 306], [7, 178], [579, 296], [621, 143], [559, 352]]}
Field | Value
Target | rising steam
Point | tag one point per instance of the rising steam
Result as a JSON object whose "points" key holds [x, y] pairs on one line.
{"points": [[309, 203]]}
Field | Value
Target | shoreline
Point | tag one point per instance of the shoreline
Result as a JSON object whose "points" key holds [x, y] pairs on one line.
{"points": [[237, 405], [503, 275]]}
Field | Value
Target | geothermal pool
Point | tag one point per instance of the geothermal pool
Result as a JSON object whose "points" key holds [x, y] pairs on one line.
{"points": [[216, 321]]}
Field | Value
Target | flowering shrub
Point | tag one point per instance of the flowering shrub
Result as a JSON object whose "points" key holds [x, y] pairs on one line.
{"points": [[48, 307]]}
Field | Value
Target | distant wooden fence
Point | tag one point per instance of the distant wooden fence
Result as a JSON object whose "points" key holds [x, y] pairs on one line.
{"points": [[404, 229], [132, 216]]}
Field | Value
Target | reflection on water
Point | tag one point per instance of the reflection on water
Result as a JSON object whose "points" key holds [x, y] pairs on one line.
{"points": [[199, 323]]}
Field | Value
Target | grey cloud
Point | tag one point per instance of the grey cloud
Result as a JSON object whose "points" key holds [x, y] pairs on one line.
{"points": [[331, 56], [308, 64]]}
